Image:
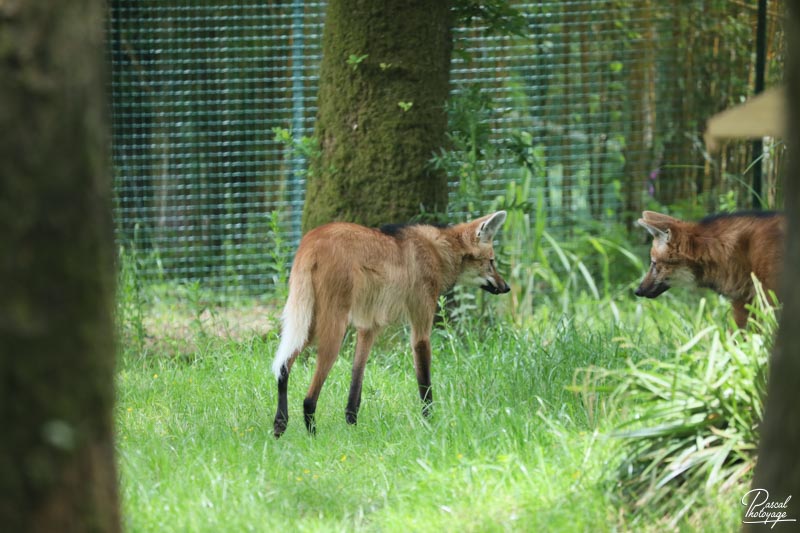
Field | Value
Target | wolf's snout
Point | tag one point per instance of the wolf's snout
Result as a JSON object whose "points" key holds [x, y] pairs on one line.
{"points": [[495, 289], [652, 290]]}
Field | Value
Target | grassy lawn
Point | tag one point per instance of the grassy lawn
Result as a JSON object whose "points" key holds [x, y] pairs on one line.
{"points": [[511, 446]]}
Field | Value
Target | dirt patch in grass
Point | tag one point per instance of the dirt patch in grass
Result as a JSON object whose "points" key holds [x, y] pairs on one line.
{"points": [[179, 329]]}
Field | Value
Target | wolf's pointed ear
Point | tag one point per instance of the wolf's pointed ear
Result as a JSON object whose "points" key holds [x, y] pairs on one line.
{"points": [[660, 235], [489, 225], [658, 220]]}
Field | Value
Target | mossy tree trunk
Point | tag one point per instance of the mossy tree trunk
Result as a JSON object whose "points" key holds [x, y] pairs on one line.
{"points": [[57, 470], [778, 468], [381, 114]]}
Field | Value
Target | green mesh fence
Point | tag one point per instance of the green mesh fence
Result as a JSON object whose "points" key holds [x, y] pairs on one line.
{"points": [[197, 87], [601, 106]]}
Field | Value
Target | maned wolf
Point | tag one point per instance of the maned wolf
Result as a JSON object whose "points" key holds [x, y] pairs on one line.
{"points": [[345, 273], [718, 253]]}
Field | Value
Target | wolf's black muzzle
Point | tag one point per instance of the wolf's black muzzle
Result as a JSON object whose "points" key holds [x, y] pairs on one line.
{"points": [[651, 292], [488, 287]]}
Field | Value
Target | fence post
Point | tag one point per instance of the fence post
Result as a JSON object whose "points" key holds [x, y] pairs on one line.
{"points": [[761, 55], [296, 182]]}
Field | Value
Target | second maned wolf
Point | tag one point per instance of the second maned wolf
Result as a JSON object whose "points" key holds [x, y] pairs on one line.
{"points": [[718, 253]]}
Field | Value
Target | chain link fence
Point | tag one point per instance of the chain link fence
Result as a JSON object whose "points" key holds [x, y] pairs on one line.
{"points": [[601, 106]]}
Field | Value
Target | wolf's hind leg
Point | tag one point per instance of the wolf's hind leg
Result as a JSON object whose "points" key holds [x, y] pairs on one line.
{"points": [[282, 413], [330, 342], [363, 345]]}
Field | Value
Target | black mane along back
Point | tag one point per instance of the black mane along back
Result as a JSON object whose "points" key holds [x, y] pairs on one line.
{"points": [[738, 214]]}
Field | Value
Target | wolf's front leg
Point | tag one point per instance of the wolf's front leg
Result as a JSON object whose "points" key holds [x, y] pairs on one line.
{"points": [[422, 365], [740, 314]]}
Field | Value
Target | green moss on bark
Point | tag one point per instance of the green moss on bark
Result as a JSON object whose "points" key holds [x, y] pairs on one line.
{"points": [[374, 166]]}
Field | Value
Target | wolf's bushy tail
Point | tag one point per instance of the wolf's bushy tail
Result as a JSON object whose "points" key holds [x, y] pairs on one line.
{"points": [[296, 318]]}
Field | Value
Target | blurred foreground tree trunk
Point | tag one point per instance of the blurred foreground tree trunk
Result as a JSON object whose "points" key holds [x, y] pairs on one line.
{"points": [[57, 470], [778, 468], [384, 81]]}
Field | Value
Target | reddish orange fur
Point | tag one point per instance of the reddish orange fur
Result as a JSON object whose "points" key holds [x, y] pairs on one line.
{"points": [[719, 253], [367, 278]]}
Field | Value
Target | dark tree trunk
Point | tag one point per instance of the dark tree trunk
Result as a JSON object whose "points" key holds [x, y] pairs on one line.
{"points": [[374, 166], [57, 469], [778, 468]]}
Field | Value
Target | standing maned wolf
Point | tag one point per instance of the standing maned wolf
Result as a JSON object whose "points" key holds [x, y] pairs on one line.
{"points": [[345, 273], [718, 253]]}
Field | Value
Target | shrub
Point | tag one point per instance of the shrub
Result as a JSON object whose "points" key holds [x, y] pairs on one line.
{"points": [[690, 423]]}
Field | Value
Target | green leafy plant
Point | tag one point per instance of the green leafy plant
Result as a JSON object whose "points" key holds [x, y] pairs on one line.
{"points": [[199, 307], [305, 146], [130, 299], [499, 17], [542, 266], [690, 422], [471, 157], [355, 60]]}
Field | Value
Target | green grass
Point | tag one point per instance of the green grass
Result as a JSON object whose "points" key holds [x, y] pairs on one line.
{"points": [[510, 446]]}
